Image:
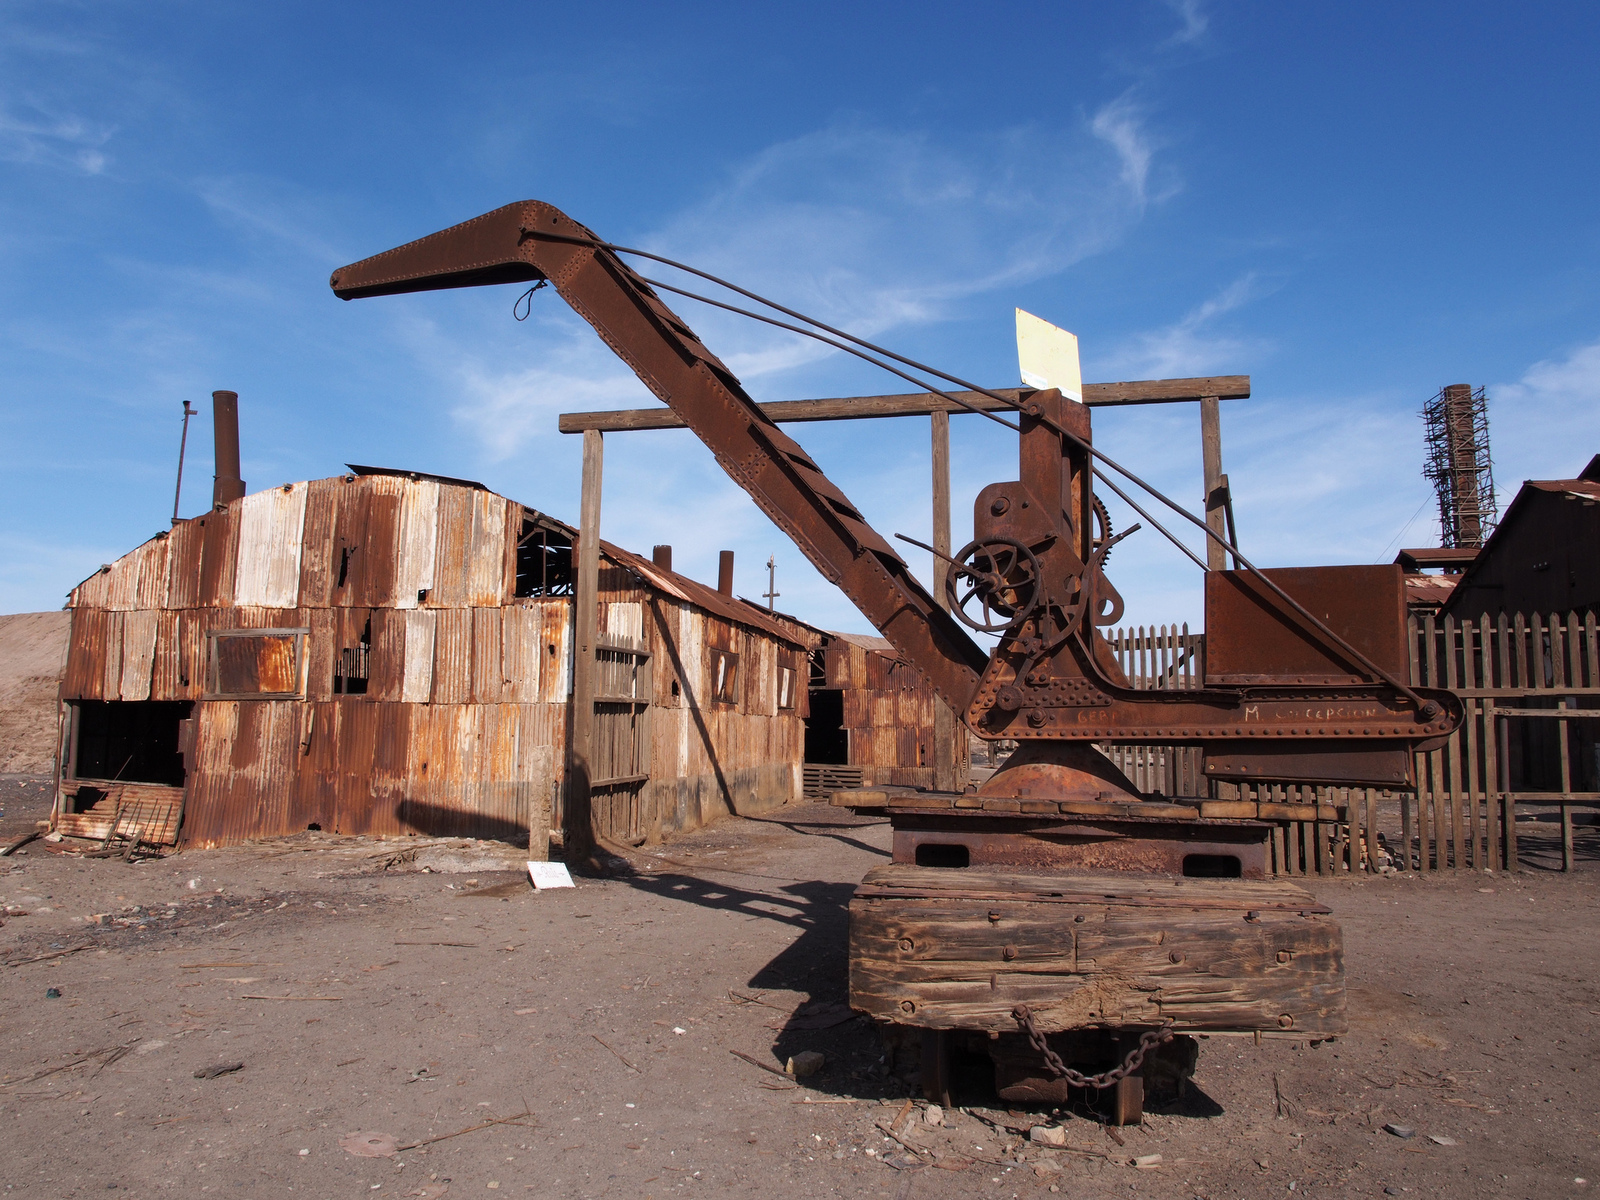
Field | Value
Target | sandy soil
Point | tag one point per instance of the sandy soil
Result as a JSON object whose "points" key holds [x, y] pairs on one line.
{"points": [[415, 1004]]}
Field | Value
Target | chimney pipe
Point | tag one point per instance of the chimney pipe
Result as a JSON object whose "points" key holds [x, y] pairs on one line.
{"points": [[725, 573], [662, 557], [225, 422]]}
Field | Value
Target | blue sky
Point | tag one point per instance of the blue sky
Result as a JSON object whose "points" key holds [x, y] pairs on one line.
{"points": [[1354, 204]]}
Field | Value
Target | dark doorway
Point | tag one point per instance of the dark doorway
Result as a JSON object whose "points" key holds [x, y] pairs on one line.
{"points": [[130, 741], [827, 740]]}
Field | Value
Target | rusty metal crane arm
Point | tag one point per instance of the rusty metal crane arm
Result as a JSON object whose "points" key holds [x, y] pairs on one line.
{"points": [[531, 241]]}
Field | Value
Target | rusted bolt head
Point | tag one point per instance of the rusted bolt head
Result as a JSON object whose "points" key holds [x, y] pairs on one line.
{"points": [[1429, 710], [1008, 953], [1000, 506], [1175, 956], [1033, 408], [1252, 915], [1079, 919], [906, 943], [908, 1006], [994, 914], [1035, 718], [1009, 698], [1285, 1021], [1283, 956]]}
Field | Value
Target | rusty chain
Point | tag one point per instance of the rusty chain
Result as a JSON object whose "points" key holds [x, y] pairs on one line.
{"points": [[1148, 1040]]}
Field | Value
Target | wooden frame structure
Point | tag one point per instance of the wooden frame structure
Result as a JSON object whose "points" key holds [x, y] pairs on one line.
{"points": [[1207, 391]]}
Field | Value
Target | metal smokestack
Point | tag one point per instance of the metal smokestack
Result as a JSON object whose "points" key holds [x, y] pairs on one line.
{"points": [[225, 421], [662, 557], [725, 573]]}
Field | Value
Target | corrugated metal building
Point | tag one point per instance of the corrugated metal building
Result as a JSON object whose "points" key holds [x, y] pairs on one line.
{"points": [[391, 653], [871, 718]]}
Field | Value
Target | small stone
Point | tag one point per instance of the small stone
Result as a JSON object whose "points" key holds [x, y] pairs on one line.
{"points": [[934, 1115], [52, 993], [1391, 1190], [1046, 1168], [807, 1062], [1439, 1139], [1404, 1132], [1048, 1135]]}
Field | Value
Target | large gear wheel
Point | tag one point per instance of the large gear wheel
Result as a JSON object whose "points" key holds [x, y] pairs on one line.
{"points": [[1000, 577]]}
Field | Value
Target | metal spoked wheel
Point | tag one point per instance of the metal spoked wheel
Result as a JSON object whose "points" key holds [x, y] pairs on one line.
{"points": [[998, 579]]}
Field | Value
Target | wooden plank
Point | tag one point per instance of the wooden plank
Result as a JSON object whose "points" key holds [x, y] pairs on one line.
{"points": [[1566, 789], [1455, 793], [922, 404], [577, 816]]}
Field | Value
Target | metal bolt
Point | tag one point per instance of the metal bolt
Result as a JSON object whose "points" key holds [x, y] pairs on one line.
{"points": [[1008, 953], [1000, 506], [906, 943], [1283, 956], [1285, 1021], [1035, 718], [994, 914], [1175, 956], [908, 1006], [1252, 915]]}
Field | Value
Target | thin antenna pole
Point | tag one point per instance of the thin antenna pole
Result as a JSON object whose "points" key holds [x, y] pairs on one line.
{"points": [[772, 582], [183, 445]]}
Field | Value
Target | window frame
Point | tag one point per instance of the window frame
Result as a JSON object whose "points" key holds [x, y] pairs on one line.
{"points": [[729, 693], [298, 633]]}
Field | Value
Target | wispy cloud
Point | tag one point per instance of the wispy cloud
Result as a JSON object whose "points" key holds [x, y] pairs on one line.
{"points": [[61, 140], [1120, 124], [1194, 20], [1557, 393], [1191, 345]]}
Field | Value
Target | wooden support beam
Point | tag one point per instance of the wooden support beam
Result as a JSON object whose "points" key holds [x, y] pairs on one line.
{"points": [[1216, 506], [919, 404], [947, 773], [577, 828]]}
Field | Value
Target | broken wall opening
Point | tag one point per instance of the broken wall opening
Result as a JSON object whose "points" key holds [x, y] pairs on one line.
{"points": [[129, 741], [544, 560], [827, 740]]}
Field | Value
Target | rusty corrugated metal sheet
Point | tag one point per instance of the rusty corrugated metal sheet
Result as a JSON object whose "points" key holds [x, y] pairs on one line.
{"points": [[246, 753], [418, 540], [138, 654], [219, 555], [417, 685], [452, 656], [319, 563], [487, 670], [271, 535], [185, 549], [486, 573]]}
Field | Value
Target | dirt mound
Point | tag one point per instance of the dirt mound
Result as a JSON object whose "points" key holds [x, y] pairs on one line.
{"points": [[33, 651]]}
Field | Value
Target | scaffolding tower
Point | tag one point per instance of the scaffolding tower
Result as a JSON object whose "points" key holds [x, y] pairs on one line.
{"points": [[1458, 465]]}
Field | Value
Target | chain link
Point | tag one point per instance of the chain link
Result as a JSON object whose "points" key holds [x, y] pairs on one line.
{"points": [[1148, 1040]]}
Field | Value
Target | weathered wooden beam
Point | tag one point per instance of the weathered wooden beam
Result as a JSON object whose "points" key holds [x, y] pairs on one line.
{"points": [[948, 775], [1211, 459], [577, 822], [921, 404]]}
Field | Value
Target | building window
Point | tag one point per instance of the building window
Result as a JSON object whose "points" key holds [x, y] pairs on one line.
{"points": [[135, 741], [257, 664], [350, 668], [544, 561], [724, 676], [786, 680]]}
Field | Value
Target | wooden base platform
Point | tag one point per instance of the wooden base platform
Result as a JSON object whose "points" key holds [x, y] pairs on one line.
{"points": [[961, 948]]}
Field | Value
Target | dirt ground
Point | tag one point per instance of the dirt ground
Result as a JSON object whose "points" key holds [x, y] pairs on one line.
{"points": [[363, 993]]}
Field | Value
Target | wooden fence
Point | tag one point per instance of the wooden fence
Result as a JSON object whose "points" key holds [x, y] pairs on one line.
{"points": [[1531, 685]]}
